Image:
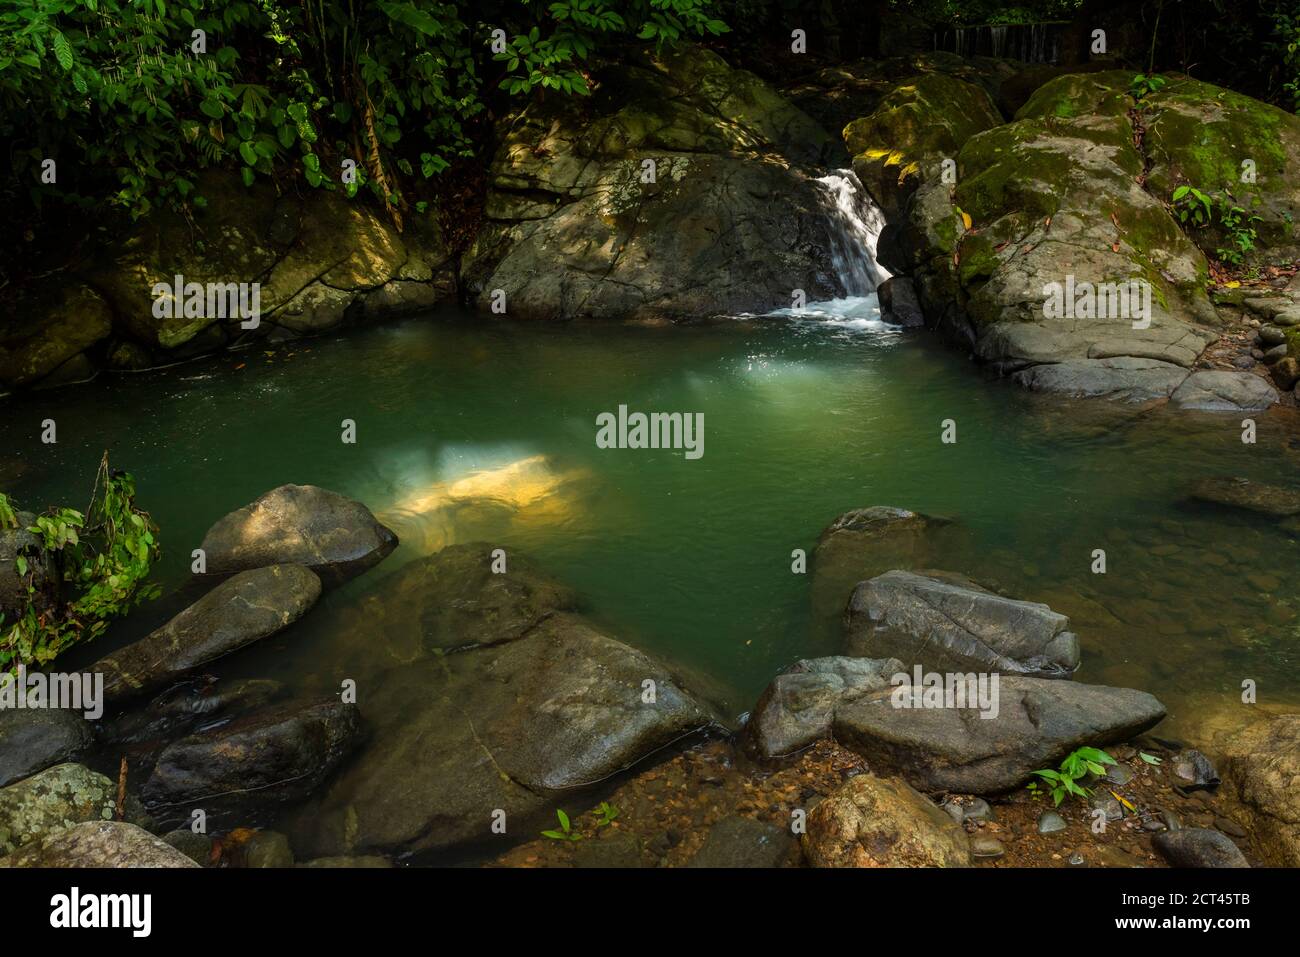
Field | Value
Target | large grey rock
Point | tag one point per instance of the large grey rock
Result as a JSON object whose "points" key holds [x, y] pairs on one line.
{"points": [[511, 727], [33, 739], [946, 627], [241, 610], [1126, 378], [52, 800], [1038, 722], [898, 302], [334, 536], [98, 844], [262, 760], [1221, 391], [1198, 847], [798, 707], [882, 822]]}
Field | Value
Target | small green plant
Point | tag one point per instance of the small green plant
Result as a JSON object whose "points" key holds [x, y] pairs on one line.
{"points": [[1144, 85], [605, 814], [1238, 232], [565, 833], [1192, 207], [1064, 781]]}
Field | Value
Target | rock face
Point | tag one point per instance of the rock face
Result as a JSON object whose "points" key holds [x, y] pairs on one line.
{"points": [[51, 801], [1198, 847], [270, 758], [241, 610], [954, 749], [1241, 493], [98, 844], [32, 740], [13, 587], [882, 822], [798, 707], [334, 536], [683, 189], [511, 726], [946, 627], [1260, 767]]}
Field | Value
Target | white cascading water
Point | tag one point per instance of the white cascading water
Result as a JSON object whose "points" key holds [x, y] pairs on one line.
{"points": [[855, 223]]}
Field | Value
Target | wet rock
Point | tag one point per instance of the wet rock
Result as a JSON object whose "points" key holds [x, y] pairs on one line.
{"points": [[14, 597], [197, 847], [986, 846], [1123, 378], [51, 801], [944, 627], [1107, 804], [744, 842], [1119, 774], [1049, 822], [1198, 847], [334, 536], [265, 759], [609, 851], [882, 822], [954, 749], [246, 608], [266, 849], [1248, 495], [1260, 767], [798, 707], [180, 709], [98, 844], [509, 726], [898, 303], [1221, 391], [1192, 770], [33, 739]]}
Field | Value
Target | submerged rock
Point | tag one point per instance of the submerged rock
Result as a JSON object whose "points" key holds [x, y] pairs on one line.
{"points": [[51, 801], [246, 608], [1038, 722], [1198, 847], [882, 822], [98, 844], [946, 627], [798, 707], [744, 842], [334, 536], [506, 727], [1247, 495], [32, 740], [1260, 767], [270, 758]]}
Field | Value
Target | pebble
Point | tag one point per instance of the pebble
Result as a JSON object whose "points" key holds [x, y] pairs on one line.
{"points": [[981, 845], [1119, 774], [1049, 822]]}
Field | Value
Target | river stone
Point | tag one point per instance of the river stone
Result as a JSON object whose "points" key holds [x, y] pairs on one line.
{"points": [[1198, 847], [1049, 822], [98, 844], [898, 302], [177, 711], [1126, 378], [41, 565], [334, 536], [197, 847], [798, 707], [955, 749], [1248, 495], [1192, 771], [1214, 390], [882, 822], [986, 846], [52, 800], [1261, 767], [945, 627], [266, 849], [33, 739], [265, 759], [241, 610], [744, 842], [513, 727]]}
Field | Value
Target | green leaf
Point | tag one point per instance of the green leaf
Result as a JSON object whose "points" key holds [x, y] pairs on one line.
{"points": [[248, 153]]}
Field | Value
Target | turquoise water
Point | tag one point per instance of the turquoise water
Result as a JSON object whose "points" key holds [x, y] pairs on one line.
{"points": [[476, 431]]}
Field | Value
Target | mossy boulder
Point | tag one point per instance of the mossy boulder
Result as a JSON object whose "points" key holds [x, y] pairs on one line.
{"points": [[50, 327]]}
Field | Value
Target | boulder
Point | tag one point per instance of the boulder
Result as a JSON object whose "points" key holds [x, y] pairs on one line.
{"points": [[1198, 847], [512, 726], [1216, 390], [1125, 378], [798, 707], [882, 822], [946, 627], [334, 536], [98, 844], [51, 801], [32, 740], [59, 321], [1260, 767], [1247, 495], [898, 303], [270, 758], [744, 842], [241, 610], [1038, 722]]}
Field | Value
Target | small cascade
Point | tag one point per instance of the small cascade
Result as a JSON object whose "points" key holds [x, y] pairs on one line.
{"points": [[1030, 42]]}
